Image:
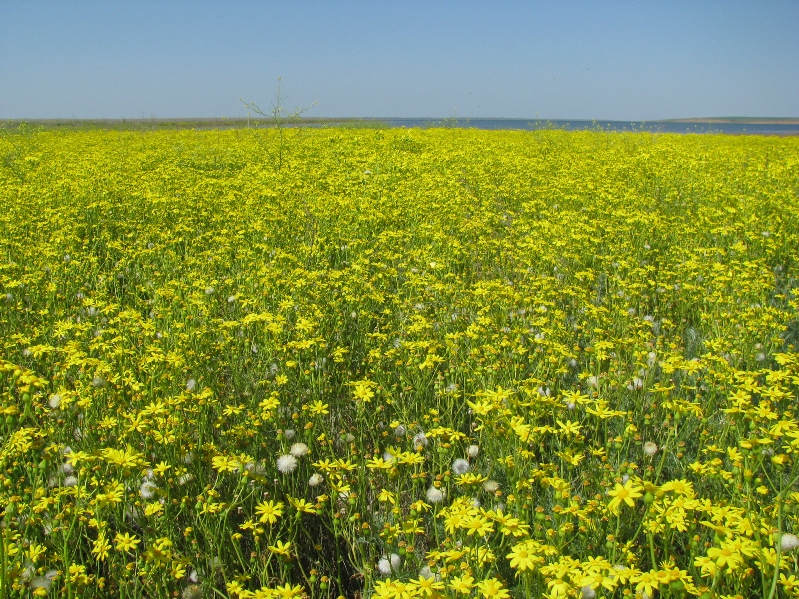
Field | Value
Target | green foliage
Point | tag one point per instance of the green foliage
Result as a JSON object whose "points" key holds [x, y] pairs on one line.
{"points": [[416, 363]]}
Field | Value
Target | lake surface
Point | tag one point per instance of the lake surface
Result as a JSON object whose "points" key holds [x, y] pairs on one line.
{"points": [[580, 125]]}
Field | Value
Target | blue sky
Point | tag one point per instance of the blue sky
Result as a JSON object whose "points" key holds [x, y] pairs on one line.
{"points": [[626, 60]]}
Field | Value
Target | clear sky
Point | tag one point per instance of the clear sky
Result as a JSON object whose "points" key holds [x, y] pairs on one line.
{"points": [[626, 60]]}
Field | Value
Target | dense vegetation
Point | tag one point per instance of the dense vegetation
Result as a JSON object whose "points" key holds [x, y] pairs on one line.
{"points": [[398, 363]]}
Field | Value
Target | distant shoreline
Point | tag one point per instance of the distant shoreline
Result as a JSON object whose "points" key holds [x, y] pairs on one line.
{"points": [[739, 120], [774, 126]]}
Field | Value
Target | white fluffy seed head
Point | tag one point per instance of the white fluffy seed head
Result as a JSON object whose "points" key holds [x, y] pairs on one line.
{"points": [[54, 401], [190, 385], [147, 489], [650, 448], [388, 564], [420, 440], [789, 542], [435, 495], [286, 463], [384, 566], [298, 450], [289, 434], [315, 480], [490, 486], [460, 466], [193, 591], [472, 451]]}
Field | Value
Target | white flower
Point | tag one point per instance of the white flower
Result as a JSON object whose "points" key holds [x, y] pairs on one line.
{"points": [[460, 466], [650, 448], [435, 495], [472, 451], [315, 480], [147, 489], [298, 450], [789, 542], [286, 463]]}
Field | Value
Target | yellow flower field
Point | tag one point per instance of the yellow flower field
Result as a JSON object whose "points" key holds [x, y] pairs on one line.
{"points": [[398, 363]]}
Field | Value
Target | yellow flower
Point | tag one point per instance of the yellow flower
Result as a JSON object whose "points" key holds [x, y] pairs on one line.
{"points": [[491, 588], [287, 591], [269, 511], [126, 542], [624, 493], [363, 391], [461, 584], [301, 505], [318, 408], [477, 526], [726, 555], [645, 582], [523, 556], [224, 463], [425, 586], [386, 497], [161, 468], [100, 547], [281, 548], [389, 589]]}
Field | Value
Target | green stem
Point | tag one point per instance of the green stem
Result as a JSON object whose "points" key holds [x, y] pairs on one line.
{"points": [[652, 550]]}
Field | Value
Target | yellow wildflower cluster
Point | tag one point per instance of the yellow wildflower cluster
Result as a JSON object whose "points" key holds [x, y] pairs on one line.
{"points": [[440, 363]]}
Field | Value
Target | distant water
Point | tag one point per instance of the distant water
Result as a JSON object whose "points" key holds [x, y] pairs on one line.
{"points": [[580, 125]]}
